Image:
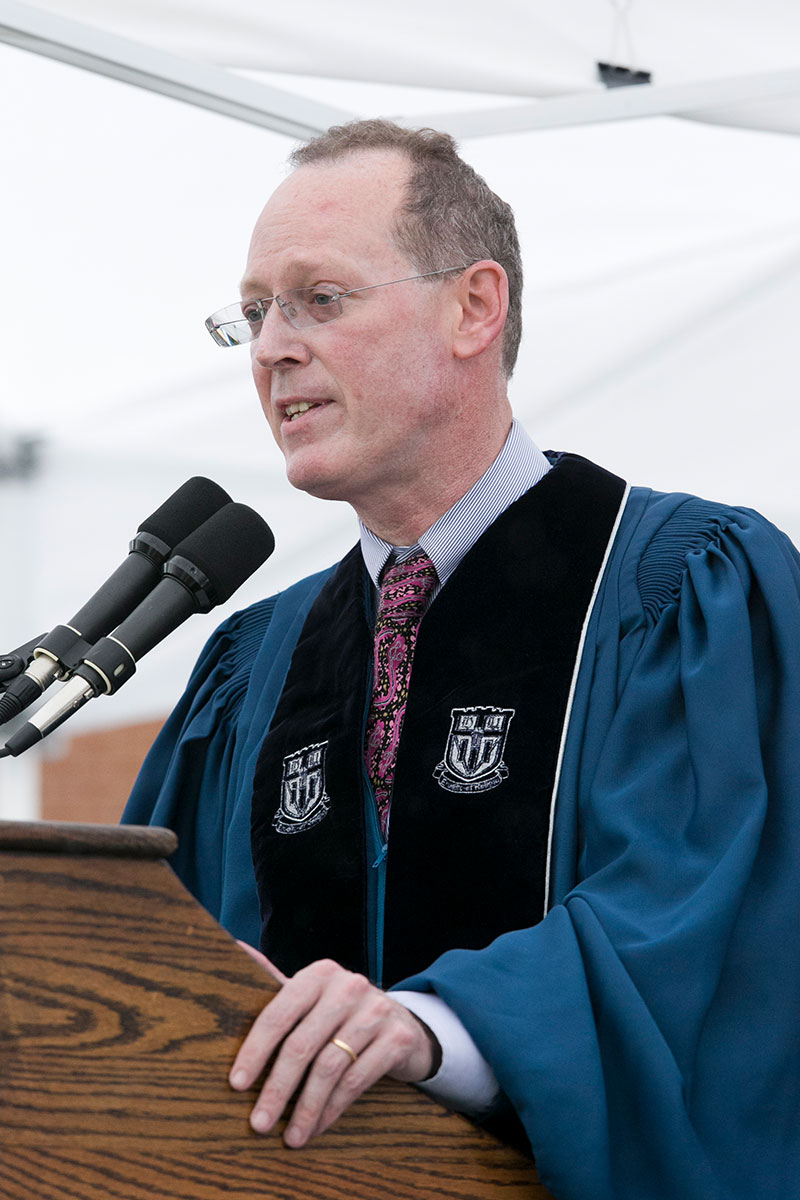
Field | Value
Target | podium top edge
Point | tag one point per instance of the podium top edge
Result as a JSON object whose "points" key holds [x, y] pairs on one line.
{"points": [[68, 837]]}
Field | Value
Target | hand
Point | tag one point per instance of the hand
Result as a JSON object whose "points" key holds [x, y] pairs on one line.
{"points": [[263, 961], [320, 1002]]}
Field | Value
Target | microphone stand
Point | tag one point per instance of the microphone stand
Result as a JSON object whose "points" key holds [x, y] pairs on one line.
{"points": [[16, 661], [12, 665]]}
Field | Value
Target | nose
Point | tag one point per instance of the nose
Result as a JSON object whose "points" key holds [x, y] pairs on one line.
{"points": [[279, 345]]}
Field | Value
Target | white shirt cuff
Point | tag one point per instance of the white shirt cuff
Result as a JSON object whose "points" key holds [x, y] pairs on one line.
{"points": [[464, 1081]]}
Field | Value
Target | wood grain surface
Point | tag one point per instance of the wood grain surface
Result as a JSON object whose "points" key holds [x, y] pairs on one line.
{"points": [[122, 1004], [73, 837]]}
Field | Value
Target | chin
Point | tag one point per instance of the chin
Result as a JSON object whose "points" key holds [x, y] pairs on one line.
{"points": [[316, 483]]}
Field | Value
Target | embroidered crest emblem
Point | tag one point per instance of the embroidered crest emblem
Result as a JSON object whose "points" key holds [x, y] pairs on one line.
{"points": [[473, 757], [304, 801]]}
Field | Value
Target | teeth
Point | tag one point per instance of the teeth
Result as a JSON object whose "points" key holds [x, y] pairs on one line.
{"points": [[293, 410]]}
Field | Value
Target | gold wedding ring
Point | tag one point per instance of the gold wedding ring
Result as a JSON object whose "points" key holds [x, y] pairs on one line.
{"points": [[344, 1046]]}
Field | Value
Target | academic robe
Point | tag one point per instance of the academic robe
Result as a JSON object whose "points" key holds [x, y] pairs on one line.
{"points": [[647, 1030]]}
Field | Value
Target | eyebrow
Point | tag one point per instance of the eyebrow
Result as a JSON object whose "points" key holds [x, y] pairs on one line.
{"points": [[250, 286]]}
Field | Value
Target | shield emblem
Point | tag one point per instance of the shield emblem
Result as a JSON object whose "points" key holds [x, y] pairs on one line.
{"points": [[304, 801], [473, 757]]}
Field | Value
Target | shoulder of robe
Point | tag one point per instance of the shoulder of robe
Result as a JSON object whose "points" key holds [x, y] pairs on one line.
{"points": [[238, 637], [226, 661], [691, 528], [242, 640]]}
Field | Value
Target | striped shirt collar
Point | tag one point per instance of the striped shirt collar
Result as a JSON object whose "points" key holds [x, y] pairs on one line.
{"points": [[518, 466]]}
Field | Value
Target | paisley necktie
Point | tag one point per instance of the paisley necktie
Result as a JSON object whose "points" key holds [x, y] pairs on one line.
{"points": [[405, 593]]}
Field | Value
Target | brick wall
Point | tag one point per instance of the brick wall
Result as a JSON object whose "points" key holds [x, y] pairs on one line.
{"points": [[91, 779]]}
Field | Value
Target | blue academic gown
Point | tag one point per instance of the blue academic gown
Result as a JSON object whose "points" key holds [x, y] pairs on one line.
{"points": [[647, 1031]]}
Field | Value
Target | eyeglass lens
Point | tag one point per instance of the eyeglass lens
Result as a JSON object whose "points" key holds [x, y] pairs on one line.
{"points": [[302, 307]]}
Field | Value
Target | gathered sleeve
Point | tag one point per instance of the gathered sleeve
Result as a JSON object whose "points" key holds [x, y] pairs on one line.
{"points": [[647, 1031]]}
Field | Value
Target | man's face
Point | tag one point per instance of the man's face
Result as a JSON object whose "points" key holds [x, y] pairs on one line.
{"points": [[376, 377]]}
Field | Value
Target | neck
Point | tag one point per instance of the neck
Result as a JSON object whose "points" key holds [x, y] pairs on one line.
{"points": [[401, 517]]}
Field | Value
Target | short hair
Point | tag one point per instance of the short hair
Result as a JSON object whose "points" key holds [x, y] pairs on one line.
{"points": [[450, 216]]}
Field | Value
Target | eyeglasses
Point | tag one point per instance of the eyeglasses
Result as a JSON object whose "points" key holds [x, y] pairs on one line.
{"points": [[302, 307]]}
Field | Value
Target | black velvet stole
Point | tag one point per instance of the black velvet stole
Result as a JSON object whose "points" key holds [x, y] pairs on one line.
{"points": [[470, 812]]}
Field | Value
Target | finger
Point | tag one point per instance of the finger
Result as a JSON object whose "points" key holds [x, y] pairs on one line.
{"points": [[296, 998], [386, 1039], [322, 995], [308, 1043], [324, 1079], [375, 1061], [263, 961]]}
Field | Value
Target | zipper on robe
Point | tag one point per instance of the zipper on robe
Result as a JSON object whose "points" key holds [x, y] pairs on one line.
{"points": [[377, 848]]}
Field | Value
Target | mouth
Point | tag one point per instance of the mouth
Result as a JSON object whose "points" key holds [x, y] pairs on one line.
{"points": [[298, 407]]}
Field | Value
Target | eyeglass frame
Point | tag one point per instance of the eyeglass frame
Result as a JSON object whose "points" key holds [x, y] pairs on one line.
{"points": [[213, 326]]}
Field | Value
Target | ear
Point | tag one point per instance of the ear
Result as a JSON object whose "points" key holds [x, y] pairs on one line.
{"points": [[482, 307]]}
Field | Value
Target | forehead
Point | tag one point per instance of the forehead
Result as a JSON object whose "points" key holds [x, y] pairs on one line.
{"points": [[337, 214]]}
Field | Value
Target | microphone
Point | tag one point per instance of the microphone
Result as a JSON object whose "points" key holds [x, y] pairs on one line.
{"points": [[205, 570], [59, 651]]}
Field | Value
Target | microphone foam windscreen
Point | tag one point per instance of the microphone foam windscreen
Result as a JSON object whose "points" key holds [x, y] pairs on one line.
{"points": [[187, 508], [229, 547]]}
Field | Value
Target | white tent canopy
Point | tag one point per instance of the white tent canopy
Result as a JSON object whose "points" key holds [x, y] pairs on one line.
{"points": [[662, 254]]}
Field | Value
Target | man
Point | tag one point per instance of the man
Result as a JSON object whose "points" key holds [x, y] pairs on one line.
{"points": [[593, 720]]}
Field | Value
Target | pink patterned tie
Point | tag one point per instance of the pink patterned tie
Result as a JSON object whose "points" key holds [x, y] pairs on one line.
{"points": [[405, 593]]}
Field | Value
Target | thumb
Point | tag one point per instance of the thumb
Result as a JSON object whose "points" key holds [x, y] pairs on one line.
{"points": [[263, 961]]}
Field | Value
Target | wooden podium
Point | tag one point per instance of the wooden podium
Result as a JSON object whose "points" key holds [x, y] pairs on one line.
{"points": [[122, 1004]]}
